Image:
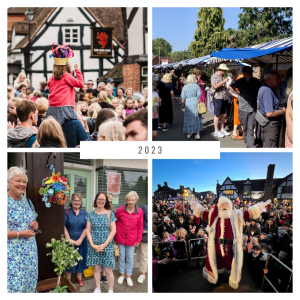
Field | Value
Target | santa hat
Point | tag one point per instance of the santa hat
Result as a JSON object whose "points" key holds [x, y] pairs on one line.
{"points": [[61, 54], [224, 200]]}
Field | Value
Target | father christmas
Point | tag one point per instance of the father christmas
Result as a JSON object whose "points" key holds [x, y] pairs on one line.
{"points": [[225, 240]]}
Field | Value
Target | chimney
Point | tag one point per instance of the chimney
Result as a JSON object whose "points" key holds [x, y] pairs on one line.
{"points": [[159, 186], [218, 188], [193, 190], [181, 187], [166, 184], [270, 174]]}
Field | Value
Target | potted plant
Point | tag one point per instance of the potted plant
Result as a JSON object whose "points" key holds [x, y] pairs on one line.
{"points": [[64, 256]]}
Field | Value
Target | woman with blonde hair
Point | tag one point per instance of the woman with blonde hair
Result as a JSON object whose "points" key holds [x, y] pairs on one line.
{"points": [[190, 96], [103, 100], [166, 94], [22, 96], [93, 110], [20, 79], [42, 106], [111, 130], [50, 135]]}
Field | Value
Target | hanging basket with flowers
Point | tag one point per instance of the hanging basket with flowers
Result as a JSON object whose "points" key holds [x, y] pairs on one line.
{"points": [[54, 189]]}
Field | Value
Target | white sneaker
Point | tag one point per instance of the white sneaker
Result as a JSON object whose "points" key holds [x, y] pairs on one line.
{"points": [[224, 132], [110, 291], [197, 137], [129, 281], [219, 134], [189, 135], [141, 279], [97, 290], [121, 279]]}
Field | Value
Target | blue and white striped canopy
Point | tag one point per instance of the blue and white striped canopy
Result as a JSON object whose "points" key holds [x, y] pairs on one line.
{"points": [[270, 52], [181, 63]]}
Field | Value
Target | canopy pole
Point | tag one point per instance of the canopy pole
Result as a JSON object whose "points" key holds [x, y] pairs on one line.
{"points": [[276, 62]]}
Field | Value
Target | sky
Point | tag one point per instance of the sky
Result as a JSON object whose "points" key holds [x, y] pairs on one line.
{"points": [[203, 174], [182, 24]]}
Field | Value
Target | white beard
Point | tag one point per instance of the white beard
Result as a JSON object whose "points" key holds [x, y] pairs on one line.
{"points": [[224, 214]]}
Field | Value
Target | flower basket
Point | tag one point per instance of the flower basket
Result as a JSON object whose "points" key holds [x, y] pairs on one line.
{"points": [[54, 189]]}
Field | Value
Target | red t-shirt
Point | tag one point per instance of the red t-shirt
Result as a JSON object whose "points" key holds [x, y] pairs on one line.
{"points": [[62, 90]]}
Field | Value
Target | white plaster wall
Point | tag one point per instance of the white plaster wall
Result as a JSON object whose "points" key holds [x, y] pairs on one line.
{"points": [[39, 65], [107, 64], [135, 34], [70, 12], [48, 38], [36, 79], [91, 75], [89, 63], [86, 36], [50, 61], [16, 39], [121, 51]]}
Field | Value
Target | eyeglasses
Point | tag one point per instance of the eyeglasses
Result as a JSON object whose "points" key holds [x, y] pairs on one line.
{"points": [[101, 200], [76, 201]]}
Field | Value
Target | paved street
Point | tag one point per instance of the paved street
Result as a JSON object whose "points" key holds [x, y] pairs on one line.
{"points": [[193, 282], [175, 131], [89, 284]]}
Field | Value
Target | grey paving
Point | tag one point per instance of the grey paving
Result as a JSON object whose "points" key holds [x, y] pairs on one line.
{"points": [[175, 131]]}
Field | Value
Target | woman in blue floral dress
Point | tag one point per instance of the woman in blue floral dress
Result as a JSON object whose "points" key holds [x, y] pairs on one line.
{"points": [[22, 259], [101, 229], [192, 120]]}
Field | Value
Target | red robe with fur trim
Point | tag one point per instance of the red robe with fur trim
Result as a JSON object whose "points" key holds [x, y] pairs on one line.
{"points": [[233, 228]]}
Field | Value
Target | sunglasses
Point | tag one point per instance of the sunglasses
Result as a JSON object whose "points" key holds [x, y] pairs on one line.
{"points": [[90, 84]]}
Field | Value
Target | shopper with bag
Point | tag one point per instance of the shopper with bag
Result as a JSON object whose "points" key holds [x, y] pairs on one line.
{"points": [[129, 234], [101, 229], [190, 96]]}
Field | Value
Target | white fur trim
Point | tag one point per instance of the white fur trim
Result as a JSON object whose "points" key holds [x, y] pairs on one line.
{"points": [[256, 210], [198, 210], [209, 216], [223, 200], [209, 278], [237, 220], [222, 236], [211, 248]]}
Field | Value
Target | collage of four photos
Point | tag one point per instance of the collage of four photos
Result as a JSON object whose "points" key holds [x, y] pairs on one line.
{"points": [[80, 224]]}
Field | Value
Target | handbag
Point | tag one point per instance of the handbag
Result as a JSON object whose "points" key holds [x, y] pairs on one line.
{"points": [[202, 108], [116, 247], [261, 119], [145, 237]]}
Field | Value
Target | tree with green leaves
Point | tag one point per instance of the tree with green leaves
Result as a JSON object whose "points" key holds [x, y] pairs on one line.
{"points": [[210, 34], [263, 24], [181, 55], [163, 45]]}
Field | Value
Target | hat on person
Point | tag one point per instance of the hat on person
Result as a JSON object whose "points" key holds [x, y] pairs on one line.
{"points": [[166, 219], [247, 69], [110, 80], [223, 67], [223, 200], [61, 54]]}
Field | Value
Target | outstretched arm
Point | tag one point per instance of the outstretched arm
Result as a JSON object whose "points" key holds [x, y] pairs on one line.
{"points": [[256, 210], [198, 210]]}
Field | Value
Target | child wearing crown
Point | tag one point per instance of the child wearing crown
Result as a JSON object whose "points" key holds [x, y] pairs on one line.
{"points": [[61, 85]]}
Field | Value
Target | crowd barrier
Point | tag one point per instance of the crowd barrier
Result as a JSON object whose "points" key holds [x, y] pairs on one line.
{"points": [[266, 267]]}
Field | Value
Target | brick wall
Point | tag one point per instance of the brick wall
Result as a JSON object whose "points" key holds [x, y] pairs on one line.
{"points": [[11, 18], [132, 76]]}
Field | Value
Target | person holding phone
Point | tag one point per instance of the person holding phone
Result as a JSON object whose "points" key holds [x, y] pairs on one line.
{"points": [[22, 259]]}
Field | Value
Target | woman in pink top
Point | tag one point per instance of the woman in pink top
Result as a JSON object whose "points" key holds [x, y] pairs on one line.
{"points": [[129, 234], [61, 85]]}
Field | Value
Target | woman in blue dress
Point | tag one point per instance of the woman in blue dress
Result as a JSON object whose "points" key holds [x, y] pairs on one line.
{"points": [[22, 259], [75, 232], [190, 95], [101, 229]]}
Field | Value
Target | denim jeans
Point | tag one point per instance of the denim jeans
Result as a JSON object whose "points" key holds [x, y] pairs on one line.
{"points": [[126, 252]]}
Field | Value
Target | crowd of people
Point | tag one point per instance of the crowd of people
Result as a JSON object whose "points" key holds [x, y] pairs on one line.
{"points": [[100, 236], [65, 111], [240, 101], [271, 233]]}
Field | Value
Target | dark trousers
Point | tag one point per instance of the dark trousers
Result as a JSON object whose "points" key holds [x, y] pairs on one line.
{"points": [[270, 134], [248, 122]]}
